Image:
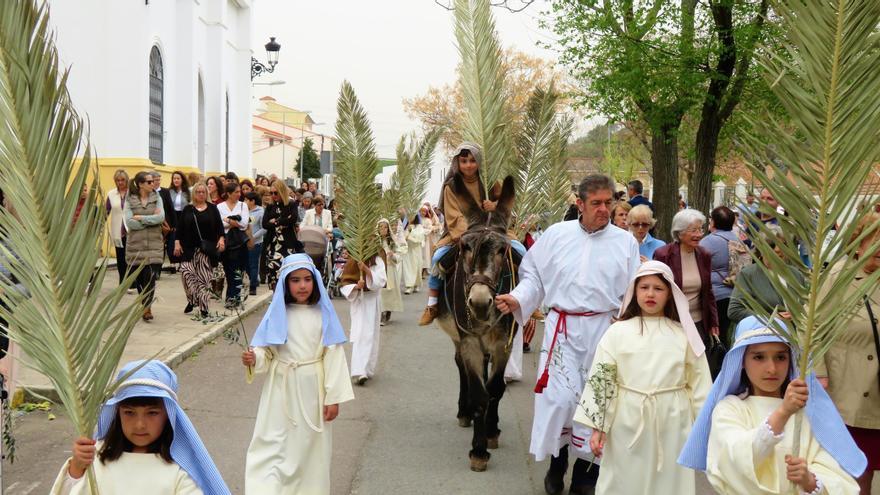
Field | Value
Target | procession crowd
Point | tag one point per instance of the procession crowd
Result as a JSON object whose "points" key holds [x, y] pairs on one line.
{"points": [[651, 363]]}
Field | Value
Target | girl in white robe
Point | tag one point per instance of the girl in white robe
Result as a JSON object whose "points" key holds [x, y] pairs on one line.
{"points": [[145, 443], [646, 385], [742, 438], [395, 250], [365, 298], [299, 345], [412, 261]]}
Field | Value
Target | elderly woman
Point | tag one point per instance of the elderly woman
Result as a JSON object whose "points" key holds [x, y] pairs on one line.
{"points": [[692, 267], [849, 369], [619, 214], [641, 221], [717, 244]]}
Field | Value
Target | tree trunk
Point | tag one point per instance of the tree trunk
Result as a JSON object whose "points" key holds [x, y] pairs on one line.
{"points": [[664, 161], [700, 184]]}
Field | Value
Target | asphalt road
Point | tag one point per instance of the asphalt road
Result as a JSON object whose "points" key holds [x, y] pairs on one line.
{"points": [[400, 435]]}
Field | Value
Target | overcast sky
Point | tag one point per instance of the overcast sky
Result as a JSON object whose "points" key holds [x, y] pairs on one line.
{"points": [[388, 49]]}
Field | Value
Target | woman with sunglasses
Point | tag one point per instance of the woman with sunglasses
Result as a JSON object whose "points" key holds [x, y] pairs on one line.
{"points": [[279, 220], [641, 221], [144, 215]]}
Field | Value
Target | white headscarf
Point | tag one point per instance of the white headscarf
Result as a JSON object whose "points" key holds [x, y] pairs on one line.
{"points": [[681, 302]]}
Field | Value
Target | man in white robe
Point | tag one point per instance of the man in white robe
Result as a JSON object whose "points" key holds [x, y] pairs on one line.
{"points": [[580, 269]]}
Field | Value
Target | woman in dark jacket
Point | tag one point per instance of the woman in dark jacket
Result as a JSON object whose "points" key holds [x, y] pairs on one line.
{"points": [[280, 220], [692, 267], [199, 221]]}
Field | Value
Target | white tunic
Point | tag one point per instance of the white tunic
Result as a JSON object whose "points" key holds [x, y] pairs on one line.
{"points": [[131, 474], [412, 261], [576, 272], [365, 307], [290, 451], [660, 386]]}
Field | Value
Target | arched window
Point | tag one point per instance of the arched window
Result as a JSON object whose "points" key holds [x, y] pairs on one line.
{"points": [[156, 105], [227, 131]]}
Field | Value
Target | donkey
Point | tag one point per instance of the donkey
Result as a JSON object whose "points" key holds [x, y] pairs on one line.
{"points": [[484, 266]]}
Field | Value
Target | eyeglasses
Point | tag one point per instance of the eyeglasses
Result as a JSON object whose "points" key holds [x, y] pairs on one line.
{"points": [[694, 230], [641, 225], [273, 193], [147, 182]]}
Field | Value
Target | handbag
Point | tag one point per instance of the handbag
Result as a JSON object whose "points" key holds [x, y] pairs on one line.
{"points": [[874, 328], [235, 239], [715, 353], [207, 247]]}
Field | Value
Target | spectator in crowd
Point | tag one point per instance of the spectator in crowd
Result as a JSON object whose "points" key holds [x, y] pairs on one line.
{"points": [[619, 214], [255, 210], [692, 267], [304, 185], [246, 187], [115, 205], [769, 217], [193, 178], [231, 177], [178, 196], [305, 204], [235, 216], [280, 220], [168, 224], [199, 247], [215, 190], [636, 198], [641, 221], [319, 216], [717, 244], [849, 370], [144, 215], [753, 281], [313, 188]]}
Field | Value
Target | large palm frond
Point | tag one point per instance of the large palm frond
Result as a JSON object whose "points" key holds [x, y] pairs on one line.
{"points": [[535, 155], [826, 78], [360, 198], [482, 80], [420, 155], [67, 330], [557, 187]]}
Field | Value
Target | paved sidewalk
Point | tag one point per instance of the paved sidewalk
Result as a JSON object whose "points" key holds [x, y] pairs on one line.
{"points": [[173, 335]]}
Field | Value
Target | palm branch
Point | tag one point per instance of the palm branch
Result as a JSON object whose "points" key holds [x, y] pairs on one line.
{"points": [[360, 198], [557, 187], [535, 154], [826, 78], [482, 81], [69, 332], [420, 155]]}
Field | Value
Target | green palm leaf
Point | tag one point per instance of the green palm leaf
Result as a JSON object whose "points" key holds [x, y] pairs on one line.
{"points": [[482, 80], [69, 333], [420, 155], [360, 198], [826, 78], [557, 187]]}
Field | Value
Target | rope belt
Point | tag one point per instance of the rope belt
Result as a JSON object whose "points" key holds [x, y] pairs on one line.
{"points": [[561, 327], [649, 401], [288, 368]]}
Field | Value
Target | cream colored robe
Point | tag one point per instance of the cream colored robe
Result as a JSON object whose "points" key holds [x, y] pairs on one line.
{"points": [[131, 474], [412, 261], [392, 295], [744, 458], [661, 386], [290, 451], [365, 306]]}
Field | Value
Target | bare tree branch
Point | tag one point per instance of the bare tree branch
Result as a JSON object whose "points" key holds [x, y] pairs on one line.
{"points": [[504, 4]]}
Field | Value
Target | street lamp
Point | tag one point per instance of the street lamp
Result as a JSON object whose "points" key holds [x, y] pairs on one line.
{"points": [[272, 49]]}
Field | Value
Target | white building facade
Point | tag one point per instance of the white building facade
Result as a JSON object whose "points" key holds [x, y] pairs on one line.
{"points": [[164, 83]]}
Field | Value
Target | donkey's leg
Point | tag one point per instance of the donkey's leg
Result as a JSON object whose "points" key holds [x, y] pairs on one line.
{"points": [[495, 387], [465, 413], [472, 356]]}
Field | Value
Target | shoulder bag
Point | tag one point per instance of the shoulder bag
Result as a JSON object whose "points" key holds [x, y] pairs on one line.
{"points": [[207, 247]]}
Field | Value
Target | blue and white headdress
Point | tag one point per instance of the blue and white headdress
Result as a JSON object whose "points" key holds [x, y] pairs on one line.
{"points": [[273, 327], [825, 420], [154, 379]]}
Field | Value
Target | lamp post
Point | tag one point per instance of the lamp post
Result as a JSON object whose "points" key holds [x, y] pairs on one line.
{"points": [[258, 68]]}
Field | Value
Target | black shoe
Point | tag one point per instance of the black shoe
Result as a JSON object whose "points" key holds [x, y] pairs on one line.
{"points": [[205, 314], [252, 292], [527, 348], [188, 309], [554, 480]]}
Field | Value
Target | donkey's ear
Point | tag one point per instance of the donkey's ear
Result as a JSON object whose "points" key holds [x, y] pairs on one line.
{"points": [[506, 197]]}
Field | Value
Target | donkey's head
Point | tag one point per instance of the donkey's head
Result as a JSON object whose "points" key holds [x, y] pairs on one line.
{"points": [[485, 252]]}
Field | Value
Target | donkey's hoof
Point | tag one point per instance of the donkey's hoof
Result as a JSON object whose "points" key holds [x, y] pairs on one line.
{"points": [[479, 465], [464, 421], [492, 443]]}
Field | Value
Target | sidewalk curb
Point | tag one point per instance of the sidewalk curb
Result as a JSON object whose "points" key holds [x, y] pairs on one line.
{"points": [[172, 357]]}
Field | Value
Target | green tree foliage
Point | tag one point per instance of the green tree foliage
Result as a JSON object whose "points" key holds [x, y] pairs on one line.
{"points": [[312, 167]]}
